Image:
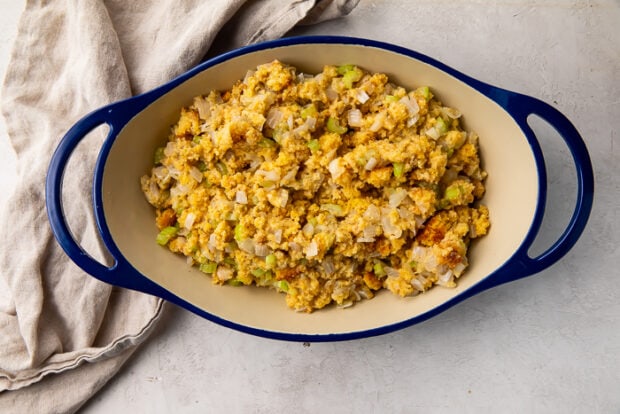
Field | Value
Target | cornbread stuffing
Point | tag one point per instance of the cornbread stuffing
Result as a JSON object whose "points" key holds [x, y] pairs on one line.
{"points": [[328, 188]]}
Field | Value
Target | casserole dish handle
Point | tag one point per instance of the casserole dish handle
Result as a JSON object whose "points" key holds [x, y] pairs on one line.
{"points": [[115, 116], [521, 264]]}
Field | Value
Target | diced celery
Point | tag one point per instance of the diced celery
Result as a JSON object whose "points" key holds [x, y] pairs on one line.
{"points": [[424, 91], [314, 145], [221, 167], [334, 126], [258, 272], [239, 231], [391, 98], [235, 282], [230, 262], [267, 143], [159, 155], [351, 76], [308, 111], [208, 267], [453, 192], [196, 139], [399, 169], [282, 285], [270, 260], [166, 234], [202, 166], [378, 269], [441, 126], [342, 69]]}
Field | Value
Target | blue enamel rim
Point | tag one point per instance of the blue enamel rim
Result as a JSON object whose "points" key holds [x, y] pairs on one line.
{"points": [[519, 265]]}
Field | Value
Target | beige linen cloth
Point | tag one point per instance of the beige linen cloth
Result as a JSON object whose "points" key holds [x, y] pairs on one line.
{"points": [[64, 334]]}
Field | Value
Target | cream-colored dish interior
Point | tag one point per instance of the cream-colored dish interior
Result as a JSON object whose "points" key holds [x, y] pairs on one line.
{"points": [[511, 194]]}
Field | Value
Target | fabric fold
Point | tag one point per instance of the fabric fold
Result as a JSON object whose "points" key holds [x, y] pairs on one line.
{"points": [[59, 327]]}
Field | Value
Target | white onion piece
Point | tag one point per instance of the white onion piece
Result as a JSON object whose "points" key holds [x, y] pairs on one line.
{"points": [[432, 133], [362, 96], [391, 272], [328, 265], [247, 245], [411, 104], [241, 197], [354, 118], [312, 250], [308, 230], [224, 273], [189, 220], [397, 197], [204, 108], [261, 250], [268, 175], [170, 148], [196, 174], [371, 164], [331, 93], [451, 112], [417, 284], [277, 236], [372, 213], [378, 122], [274, 116], [336, 168]]}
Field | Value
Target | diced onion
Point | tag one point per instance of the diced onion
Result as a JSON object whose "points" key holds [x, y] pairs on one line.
{"points": [[451, 112], [274, 116], [362, 96], [312, 250], [196, 174], [224, 273], [277, 236], [354, 118], [336, 168], [189, 220], [241, 197], [261, 250], [371, 164], [411, 104], [308, 230], [372, 213], [328, 265], [391, 272], [378, 122], [204, 108], [432, 133], [397, 197], [331, 93], [247, 245]]}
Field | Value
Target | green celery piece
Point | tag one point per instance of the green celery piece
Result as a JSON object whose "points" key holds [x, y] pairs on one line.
{"points": [[441, 126], [425, 92], [378, 269], [270, 260], [399, 169], [334, 126], [308, 111], [221, 167], [267, 143], [166, 234], [208, 267], [282, 285], [314, 145], [159, 155], [342, 69]]}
